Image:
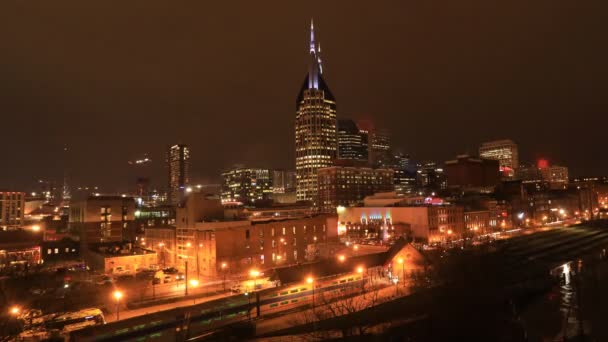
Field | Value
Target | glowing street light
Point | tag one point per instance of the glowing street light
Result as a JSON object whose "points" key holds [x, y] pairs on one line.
{"points": [[35, 228], [188, 245], [341, 257], [117, 295], [360, 272], [254, 274], [194, 282], [15, 310], [402, 262]]}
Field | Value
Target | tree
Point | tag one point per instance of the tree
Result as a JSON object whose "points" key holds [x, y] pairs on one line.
{"points": [[337, 313]]}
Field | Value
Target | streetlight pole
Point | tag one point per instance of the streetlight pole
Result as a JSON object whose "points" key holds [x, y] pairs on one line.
{"points": [[224, 265], [186, 279], [117, 296], [248, 294], [311, 281], [360, 271], [401, 261], [162, 252], [198, 269]]}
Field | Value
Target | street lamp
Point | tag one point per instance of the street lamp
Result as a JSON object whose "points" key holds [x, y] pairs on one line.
{"points": [[396, 281], [401, 261], [310, 280], [360, 272], [224, 266], [341, 257], [161, 245], [14, 310], [188, 245], [117, 295], [35, 228], [254, 274]]}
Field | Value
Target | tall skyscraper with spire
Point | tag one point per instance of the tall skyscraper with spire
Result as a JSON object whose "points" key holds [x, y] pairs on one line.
{"points": [[315, 127]]}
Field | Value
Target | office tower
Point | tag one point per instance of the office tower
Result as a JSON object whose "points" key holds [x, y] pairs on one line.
{"points": [[283, 181], [505, 151], [554, 176], [404, 174], [246, 185], [178, 160], [12, 206], [347, 186], [380, 148], [431, 178], [352, 142], [466, 172], [315, 126]]}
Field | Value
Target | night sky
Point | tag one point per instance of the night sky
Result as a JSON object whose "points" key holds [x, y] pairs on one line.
{"points": [[115, 79]]}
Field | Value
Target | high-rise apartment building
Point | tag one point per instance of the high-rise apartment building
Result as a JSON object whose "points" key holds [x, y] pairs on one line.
{"points": [[352, 142], [380, 148], [505, 151], [315, 126], [178, 160], [246, 185], [12, 206]]}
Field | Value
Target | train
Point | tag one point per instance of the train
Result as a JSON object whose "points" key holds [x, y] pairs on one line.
{"points": [[188, 323]]}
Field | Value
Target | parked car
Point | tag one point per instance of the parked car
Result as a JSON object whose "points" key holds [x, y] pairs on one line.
{"points": [[237, 288], [170, 270]]}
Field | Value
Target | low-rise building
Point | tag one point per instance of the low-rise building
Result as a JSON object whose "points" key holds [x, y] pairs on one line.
{"points": [[241, 245], [113, 258], [161, 240], [19, 249], [102, 218], [477, 222], [431, 223]]}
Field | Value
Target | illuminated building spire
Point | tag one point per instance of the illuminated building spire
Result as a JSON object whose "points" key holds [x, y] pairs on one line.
{"points": [[314, 68], [312, 37], [319, 58]]}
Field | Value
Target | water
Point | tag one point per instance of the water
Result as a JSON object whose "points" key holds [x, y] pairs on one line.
{"points": [[574, 310]]}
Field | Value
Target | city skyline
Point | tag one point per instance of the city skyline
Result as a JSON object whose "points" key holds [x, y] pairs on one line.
{"points": [[66, 91]]}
